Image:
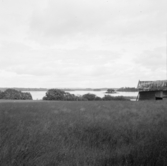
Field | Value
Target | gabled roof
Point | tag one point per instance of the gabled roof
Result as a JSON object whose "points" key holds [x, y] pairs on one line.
{"points": [[152, 85]]}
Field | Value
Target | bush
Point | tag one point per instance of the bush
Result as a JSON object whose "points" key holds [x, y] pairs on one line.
{"points": [[89, 96], [98, 98], [121, 98], [108, 97], [1, 95], [81, 98]]}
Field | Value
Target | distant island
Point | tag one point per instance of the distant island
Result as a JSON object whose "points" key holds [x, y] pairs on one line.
{"points": [[128, 89], [97, 89], [45, 89], [25, 89], [111, 91]]}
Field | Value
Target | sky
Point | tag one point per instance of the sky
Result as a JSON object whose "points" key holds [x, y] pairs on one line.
{"points": [[82, 43]]}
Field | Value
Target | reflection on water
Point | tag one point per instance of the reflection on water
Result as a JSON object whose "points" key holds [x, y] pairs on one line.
{"points": [[38, 95]]}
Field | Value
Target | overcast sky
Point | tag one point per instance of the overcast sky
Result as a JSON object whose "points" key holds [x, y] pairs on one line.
{"points": [[82, 43]]}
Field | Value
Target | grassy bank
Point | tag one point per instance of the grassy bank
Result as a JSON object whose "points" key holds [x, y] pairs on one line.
{"points": [[100, 133]]}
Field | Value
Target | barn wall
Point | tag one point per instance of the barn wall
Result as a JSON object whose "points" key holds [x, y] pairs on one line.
{"points": [[149, 95], [165, 93]]}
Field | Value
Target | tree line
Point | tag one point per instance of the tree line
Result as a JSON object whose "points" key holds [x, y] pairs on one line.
{"points": [[56, 94]]}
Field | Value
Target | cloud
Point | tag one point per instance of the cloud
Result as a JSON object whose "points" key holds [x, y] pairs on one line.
{"points": [[152, 59], [81, 42], [83, 18]]}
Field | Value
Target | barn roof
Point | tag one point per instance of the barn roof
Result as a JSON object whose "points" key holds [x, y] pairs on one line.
{"points": [[152, 85]]}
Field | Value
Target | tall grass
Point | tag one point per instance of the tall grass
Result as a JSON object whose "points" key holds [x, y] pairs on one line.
{"points": [[98, 133]]}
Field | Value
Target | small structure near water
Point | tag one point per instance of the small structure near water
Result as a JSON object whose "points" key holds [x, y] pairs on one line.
{"points": [[152, 90]]}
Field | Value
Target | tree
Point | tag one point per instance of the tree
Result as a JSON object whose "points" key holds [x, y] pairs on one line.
{"points": [[70, 97], [55, 94], [26, 96], [107, 97], [13, 94]]}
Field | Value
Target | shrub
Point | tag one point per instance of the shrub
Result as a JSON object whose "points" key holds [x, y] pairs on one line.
{"points": [[1, 95], [89, 96], [108, 97], [80, 98], [98, 98]]}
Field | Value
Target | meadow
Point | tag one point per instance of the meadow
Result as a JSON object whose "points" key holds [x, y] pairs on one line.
{"points": [[83, 133]]}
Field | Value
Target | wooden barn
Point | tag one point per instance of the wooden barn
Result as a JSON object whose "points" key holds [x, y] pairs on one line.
{"points": [[152, 90]]}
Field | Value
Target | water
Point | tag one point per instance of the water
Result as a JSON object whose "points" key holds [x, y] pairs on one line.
{"points": [[38, 95]]}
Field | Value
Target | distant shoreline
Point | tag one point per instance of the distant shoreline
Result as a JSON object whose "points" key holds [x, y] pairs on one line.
{"points": [[45, 89], [69, 89]]}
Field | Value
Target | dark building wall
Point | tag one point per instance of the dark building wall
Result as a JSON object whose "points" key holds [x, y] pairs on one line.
{"points": [[149, 95], [165, 93]]}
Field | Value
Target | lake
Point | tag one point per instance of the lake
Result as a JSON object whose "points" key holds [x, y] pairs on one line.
{"points": [[38, 95]]}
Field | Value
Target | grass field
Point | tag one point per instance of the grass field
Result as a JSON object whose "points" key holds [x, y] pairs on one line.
{"points": [[97, 133]]}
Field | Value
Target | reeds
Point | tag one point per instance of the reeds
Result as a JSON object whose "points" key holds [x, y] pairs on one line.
{"points": [[97, 133]]}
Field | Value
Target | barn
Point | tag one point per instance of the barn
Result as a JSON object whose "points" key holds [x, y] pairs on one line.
{"points": [[152, 90]]}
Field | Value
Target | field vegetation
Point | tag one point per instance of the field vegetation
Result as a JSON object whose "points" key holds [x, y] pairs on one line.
{"points": [[83, 133]]}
